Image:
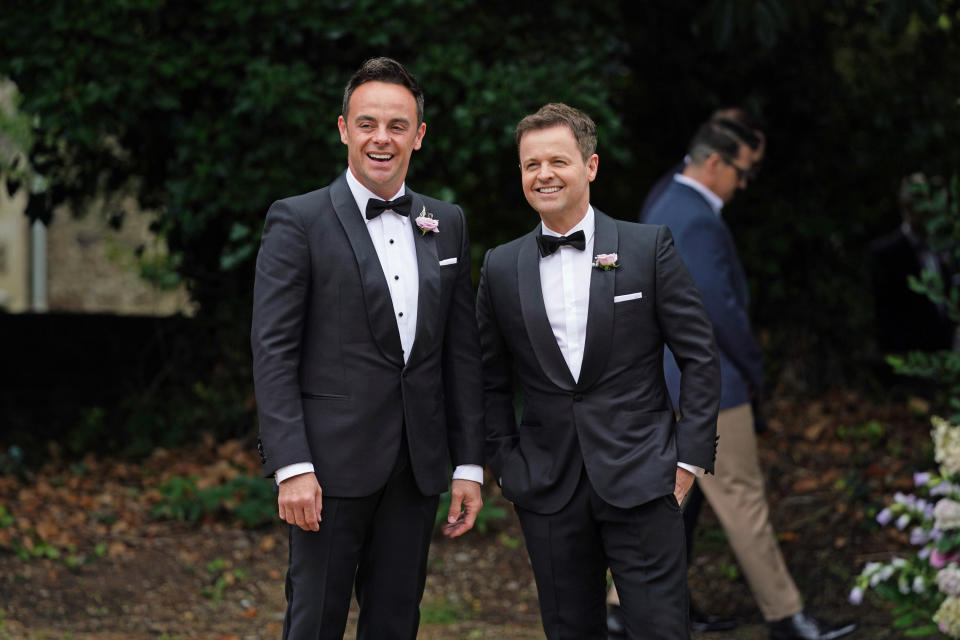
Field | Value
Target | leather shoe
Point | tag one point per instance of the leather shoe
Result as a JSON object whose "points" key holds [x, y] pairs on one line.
{"points": [[702, 621], [803, 626], [616, 628]]}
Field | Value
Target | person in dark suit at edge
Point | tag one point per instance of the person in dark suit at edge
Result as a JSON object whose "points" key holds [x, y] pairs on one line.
{"points": [[367, 372], [576, 313]]}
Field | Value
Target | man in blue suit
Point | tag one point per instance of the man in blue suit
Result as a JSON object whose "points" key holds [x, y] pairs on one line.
{"points": [[721, 159]]}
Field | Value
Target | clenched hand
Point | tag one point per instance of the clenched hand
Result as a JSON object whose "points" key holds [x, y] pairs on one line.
{"points": [[301, 501]]}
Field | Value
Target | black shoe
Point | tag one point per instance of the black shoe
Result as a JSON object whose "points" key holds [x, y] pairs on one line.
{"points": [[803, 626], [701, 621], [616, 629]]}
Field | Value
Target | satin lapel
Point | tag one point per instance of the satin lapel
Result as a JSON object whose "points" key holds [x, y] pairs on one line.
{"points": [[596, 348], [376, 294], [535, 319], [428, 274]]}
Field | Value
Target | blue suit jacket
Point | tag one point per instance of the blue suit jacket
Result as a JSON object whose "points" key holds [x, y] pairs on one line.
{"points": [[706, 245]]}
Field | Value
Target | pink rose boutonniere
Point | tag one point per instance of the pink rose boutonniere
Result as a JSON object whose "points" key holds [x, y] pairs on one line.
{"points": [[427, 223], [605, 261]]}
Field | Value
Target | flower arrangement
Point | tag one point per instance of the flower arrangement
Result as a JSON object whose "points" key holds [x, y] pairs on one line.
{"points": [[925, 586]]}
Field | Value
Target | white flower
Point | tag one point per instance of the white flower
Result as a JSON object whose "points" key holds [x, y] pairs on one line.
{"points": [[946, 446], [947, 514], [947, 617], [948, 580], [856, 595]]}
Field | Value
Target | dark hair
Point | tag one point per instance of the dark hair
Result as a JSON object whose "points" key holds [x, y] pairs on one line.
{"points": [[721, 136], [742, 117], [557, 114], [383, 70]]}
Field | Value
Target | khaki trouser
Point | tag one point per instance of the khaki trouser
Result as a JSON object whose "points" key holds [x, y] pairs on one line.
{"points": [[736, 495]]}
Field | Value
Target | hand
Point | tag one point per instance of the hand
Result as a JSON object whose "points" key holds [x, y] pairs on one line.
{"points": [[684, 483], [465, 503], [301, 501]]}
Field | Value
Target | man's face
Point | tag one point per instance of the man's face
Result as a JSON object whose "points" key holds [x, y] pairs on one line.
{"points": [[734, 173], [381, 132], [555, 178]]}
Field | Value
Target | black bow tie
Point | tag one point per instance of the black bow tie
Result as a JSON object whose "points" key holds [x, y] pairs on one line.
{"points": [[549, 244], [400, 206]]}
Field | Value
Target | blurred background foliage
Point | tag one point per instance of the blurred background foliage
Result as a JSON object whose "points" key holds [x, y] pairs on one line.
{"points": [[210, 111]]}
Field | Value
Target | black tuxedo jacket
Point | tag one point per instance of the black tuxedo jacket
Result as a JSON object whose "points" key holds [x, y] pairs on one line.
{"points": [[331, 384], [617, 421]]}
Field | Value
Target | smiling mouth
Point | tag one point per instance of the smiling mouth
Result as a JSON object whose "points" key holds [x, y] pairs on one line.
{"points": [[548, 190], [380, 157]]}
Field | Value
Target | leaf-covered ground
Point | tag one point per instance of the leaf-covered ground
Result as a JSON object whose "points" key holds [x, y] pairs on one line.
{"points": [[83, 556]]}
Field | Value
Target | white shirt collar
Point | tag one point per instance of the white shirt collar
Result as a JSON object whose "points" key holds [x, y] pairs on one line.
{"points": [[585, 224], [361, 194], [712, 199]]}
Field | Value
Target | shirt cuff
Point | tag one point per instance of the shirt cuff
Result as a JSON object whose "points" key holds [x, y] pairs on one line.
{"points": [[697, 471], [469, 472], [293, 470]]}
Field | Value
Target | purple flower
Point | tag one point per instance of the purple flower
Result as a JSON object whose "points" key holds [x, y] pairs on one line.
{"points": [[921, 478], [884, 517], [918, 536], [856, 595], [903, 521]]}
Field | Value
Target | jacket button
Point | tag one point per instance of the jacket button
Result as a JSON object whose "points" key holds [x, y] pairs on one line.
{"points": [[577, 397]]}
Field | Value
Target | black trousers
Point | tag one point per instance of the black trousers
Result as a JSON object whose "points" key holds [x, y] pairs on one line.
{"points": [[644, 547], [378, 544]]}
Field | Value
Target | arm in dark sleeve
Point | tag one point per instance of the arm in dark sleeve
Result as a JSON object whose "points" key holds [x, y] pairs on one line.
{"points": [[279, 304], [501, 424], [463, 387], [712, 263], [688, 333]]}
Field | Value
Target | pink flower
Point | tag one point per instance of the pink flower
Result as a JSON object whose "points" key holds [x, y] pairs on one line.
{"points": [[605, 261], [427, 223], [939, 560]]}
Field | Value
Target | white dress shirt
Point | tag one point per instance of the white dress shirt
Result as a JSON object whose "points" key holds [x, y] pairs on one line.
{"points": [[565, 284], [392, 236]]}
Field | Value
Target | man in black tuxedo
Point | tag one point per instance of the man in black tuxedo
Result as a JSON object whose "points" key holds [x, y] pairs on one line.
{"points": [[576, 313], [367, 371]]}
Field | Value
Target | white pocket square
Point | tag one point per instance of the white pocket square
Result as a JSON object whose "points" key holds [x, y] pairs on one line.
{"points": [[628, 296], [447, 261]]}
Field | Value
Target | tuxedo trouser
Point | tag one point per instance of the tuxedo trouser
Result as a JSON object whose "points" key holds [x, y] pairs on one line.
{"points": [[736, 495], [571, 549], [378, 543]]}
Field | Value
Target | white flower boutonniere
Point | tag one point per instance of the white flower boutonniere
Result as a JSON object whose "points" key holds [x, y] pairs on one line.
{"points": [[427, 223], [606, 261]]}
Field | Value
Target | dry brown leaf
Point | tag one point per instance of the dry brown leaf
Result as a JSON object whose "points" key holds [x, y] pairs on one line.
{"points": [[815, 430], [268, 543], [47, 529], [805, 485]]}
